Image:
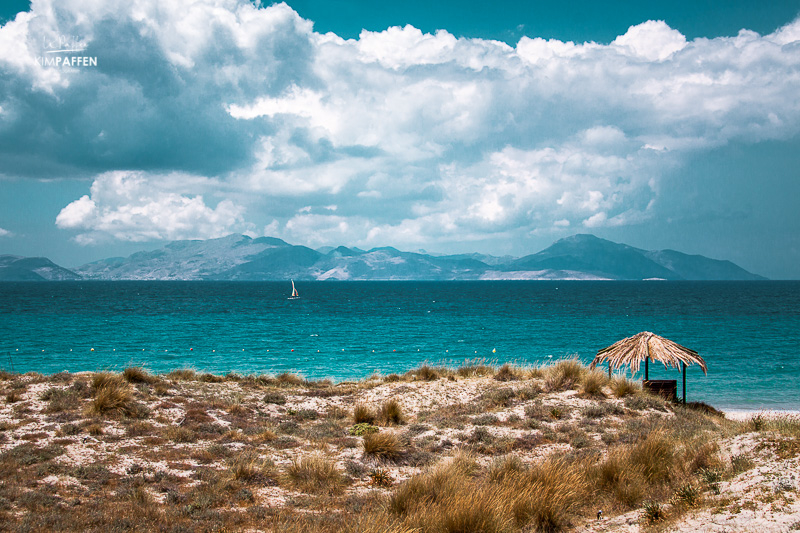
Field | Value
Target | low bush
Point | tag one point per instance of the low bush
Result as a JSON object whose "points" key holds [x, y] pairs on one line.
{"points": [[60, 400], [688, 495], [380, 477], [502, 397], [362, 429], [274, 397], [653, 512]]}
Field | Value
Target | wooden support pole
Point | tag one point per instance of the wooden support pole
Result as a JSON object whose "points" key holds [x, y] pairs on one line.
{"points": [[684, 382], [609, 369], [647, 369]]}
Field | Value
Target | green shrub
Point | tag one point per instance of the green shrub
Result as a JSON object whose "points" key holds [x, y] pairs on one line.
{"points": [[362, 429], [653, 512]]}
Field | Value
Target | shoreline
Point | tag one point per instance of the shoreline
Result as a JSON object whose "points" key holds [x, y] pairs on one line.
{"points": [[745, 414]]}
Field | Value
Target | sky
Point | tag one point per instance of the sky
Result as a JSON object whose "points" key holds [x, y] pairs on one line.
{"points": [[496, 127]]}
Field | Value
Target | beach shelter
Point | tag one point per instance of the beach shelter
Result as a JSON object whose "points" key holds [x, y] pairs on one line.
{"points": [[647, 346]]}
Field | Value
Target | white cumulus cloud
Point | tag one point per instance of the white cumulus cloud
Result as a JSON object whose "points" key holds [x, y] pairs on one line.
{"points": [[210, 116], [131, 206]]}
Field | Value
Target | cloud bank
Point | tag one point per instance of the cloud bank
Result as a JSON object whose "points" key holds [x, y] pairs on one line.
{"points": [[212, 116]]}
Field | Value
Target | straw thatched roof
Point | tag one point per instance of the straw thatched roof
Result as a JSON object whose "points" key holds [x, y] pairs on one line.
{"points": [[633, 350]]}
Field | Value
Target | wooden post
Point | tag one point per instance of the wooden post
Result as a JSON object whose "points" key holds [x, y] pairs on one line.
{"points": [[647, 369], [684, 382], [609, 369]]}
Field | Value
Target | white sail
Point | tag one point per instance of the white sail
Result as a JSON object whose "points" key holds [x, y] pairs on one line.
{"points": [[295, 294]]}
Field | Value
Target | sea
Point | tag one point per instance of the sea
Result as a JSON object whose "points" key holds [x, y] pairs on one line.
{"points": [[747, 332]]}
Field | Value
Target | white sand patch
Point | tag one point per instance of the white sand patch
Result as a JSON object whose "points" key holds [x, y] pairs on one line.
{"points": [[742, 415]]}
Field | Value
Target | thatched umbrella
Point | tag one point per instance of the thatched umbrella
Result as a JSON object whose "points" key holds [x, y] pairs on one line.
{"points": [[646, 346]]}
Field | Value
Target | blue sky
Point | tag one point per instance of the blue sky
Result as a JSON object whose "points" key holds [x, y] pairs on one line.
{"points": [[447, 126]]}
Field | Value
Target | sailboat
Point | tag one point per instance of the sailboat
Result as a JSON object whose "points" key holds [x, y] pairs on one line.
{"points": [[295, 295]]}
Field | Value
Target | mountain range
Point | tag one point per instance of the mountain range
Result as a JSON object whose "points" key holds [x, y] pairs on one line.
{"points": [[239, 257]]}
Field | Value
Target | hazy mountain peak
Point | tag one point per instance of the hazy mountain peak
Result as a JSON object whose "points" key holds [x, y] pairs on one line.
{"points": [[16, 268], [240, 257]]}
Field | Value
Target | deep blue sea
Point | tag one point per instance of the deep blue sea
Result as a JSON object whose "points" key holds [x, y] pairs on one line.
{"points": [[748, 332]]}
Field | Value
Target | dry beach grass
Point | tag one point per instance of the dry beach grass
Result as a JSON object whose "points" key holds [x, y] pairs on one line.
{"points": [[473, 448]]}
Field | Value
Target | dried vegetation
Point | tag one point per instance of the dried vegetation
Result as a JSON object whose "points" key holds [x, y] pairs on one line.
{"points": [[473, 448]]}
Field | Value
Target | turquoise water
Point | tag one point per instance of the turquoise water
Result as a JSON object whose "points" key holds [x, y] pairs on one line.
{"points": [[748, 332]]}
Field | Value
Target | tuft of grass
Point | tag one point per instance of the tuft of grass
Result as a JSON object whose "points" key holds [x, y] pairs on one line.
{"points": [[289, 379], [475, 368], [506, 373], [426, 373], [655, 455], [592, 384], [505, 467], [363, 414], [544, 497], [314, 474], [135, 374], [384, 445], [183, 374], [563, 375], [451, 496], [249, 467], [210, 378], [112, 395], [622, 387], [391, 413]]}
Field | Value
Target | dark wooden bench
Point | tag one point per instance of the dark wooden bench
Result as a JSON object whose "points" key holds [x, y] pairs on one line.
{"points": [[666, 388]]}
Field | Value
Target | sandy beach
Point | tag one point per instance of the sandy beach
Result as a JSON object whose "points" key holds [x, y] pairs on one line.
{"points": [[475, 448], [742, 415]]}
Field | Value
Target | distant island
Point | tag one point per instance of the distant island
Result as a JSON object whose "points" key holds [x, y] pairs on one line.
{"points": [[242, 258]]}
